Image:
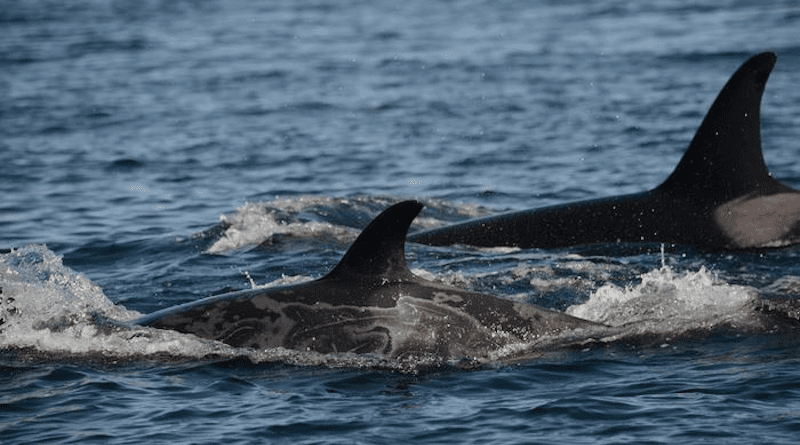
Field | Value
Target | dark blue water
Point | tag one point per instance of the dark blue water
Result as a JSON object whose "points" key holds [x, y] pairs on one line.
{"points": [[152, 153]]}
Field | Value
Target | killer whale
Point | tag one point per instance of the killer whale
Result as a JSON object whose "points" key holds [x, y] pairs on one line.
{"points": [[369, 303], [721, 196]]}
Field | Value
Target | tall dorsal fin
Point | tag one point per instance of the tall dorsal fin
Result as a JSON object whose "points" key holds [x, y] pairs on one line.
{"points": [[379, 252], [724, 160]]}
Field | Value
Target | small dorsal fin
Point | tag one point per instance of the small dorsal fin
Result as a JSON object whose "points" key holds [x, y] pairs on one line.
{"points": [[724, 159], [379, 251]]}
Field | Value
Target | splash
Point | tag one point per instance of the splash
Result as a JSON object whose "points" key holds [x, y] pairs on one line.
{"points": [[50, 308], [668, 302], [254, 224], [35, 271]]}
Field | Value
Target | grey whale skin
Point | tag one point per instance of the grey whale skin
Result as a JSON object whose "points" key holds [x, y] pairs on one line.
{"points": [[369, 303], [720, 197]]}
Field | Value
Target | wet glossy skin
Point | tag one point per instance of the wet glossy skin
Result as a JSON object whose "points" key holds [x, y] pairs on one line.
{"points": [[721, 195]]}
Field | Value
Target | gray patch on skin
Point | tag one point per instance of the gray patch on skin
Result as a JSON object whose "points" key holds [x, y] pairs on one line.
{"points": [[414, 325], [444, 297], [760, 221]]}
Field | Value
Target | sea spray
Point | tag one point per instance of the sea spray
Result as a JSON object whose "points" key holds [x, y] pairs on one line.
{"points": [[667, 301], [55, 310], [254, 224]]}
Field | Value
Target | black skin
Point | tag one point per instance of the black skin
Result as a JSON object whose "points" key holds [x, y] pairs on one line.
{"points": [[720, 197]]}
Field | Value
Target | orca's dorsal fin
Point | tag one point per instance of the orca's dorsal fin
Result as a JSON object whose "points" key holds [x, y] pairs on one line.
{"points": [[724, 160], [379, 251]]}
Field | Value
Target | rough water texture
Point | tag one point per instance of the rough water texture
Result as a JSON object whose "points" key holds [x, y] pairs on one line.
{"points": [[153, 153]]}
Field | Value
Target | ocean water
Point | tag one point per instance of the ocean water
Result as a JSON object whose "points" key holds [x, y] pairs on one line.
{"points": [[153, 153]]}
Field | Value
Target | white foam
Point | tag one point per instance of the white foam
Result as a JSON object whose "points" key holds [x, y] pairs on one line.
{"points": [[665, 301], [255, 223], [284, 280], [48, 287], [51, 308], [550, 278]]}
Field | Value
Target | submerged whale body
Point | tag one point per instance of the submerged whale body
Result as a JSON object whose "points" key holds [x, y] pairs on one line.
{"points": [[721, 195], [369, 303]]}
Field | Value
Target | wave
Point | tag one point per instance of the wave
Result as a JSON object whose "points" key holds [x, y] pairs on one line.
{"points": [[311, 216]]}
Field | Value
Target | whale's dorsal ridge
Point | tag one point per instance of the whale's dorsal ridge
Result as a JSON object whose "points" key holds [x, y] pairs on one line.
{"points": [[379, 252], [724, 160], [720, 196]]}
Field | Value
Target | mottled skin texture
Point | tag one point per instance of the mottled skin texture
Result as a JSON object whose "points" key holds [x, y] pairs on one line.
{"points": [[721, 195], [370, 303]]}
